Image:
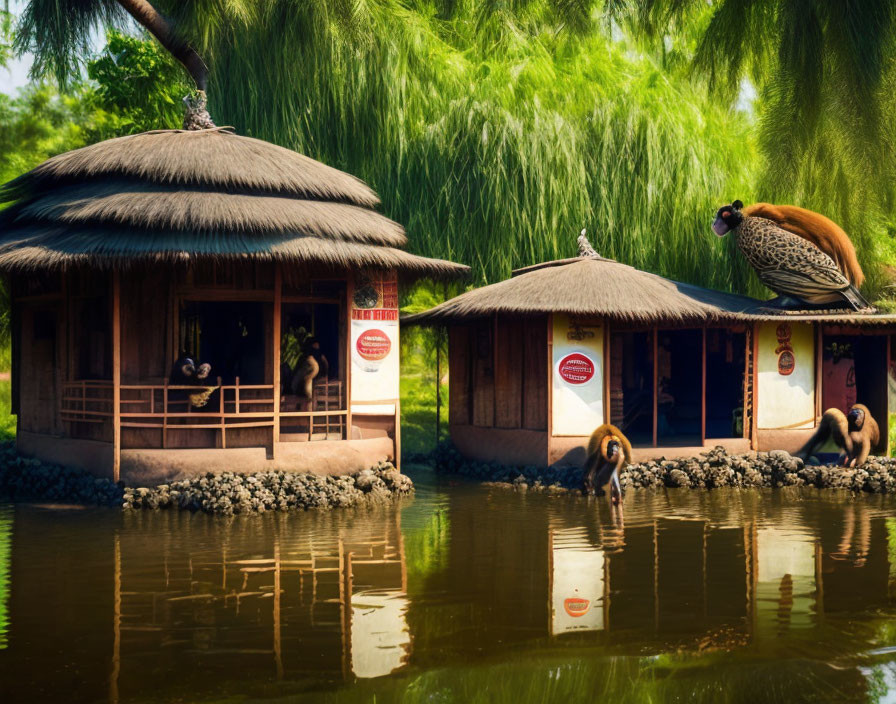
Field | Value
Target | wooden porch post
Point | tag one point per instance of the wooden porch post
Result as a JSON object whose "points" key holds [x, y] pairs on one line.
{"points": [[278, 305], [656, 382], [116, 375], [607, 374], [754, 421], [550, 380], [398, 407], [438, 382], [347, 363], [703, 393], [819, 348]]}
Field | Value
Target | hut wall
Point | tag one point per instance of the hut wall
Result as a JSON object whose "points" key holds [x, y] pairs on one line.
{"points": [[786, 376], [497, 389], [39, 367], [145, 328], [483, 379], [578, 375], [497, 374]]}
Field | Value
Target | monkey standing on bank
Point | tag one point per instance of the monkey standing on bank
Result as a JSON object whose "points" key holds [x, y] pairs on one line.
{"points": [[856, 433], [608, 452]]}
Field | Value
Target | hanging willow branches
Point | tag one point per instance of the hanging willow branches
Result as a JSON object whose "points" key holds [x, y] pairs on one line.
{"points": [[495, 131]]}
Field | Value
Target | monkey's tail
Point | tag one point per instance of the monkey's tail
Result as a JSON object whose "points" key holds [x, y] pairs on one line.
{"points": [[817, 440]]}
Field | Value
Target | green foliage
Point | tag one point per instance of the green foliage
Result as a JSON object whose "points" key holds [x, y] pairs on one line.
{"points": [[494, 139], [826, 73], [496, 131], [140, 82], [39, 122]]}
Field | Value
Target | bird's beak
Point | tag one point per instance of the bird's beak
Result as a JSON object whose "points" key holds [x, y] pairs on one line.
{"points": [[720, 227]]}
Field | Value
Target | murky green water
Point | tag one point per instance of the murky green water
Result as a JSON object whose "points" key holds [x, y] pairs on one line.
{"points": [[464, 594]]}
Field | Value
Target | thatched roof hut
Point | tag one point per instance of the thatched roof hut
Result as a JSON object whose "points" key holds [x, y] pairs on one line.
{"points": [[541, 359], [589, 285], [600, 287], [135, 259], [175, 195]]}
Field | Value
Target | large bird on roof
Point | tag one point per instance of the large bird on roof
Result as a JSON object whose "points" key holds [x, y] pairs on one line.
{"points": [[800, 255]]}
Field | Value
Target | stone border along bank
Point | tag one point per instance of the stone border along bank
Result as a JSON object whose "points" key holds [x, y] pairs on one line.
{"points": [[23, 479], [709, 470]]}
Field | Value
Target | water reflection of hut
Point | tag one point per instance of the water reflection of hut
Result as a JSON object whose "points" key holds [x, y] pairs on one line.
{"points": [[127, 254], [541, 359], [331, 606]]}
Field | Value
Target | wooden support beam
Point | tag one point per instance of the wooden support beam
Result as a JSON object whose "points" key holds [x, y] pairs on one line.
{"points": [[703, 392], [608, 376], [347, 348], [754, 420], [278, 305], [819, 380], [656, 383], [550, 381], [116, 375]]}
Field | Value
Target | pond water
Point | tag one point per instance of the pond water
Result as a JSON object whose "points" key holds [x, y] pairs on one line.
{"points": [[464, 593]]}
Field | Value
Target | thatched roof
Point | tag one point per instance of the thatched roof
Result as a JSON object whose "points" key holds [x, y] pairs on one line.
{"points": [[599, 287], [178, 195]]}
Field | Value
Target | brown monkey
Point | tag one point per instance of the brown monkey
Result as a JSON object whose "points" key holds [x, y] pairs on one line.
{"points": [[608, 452], [855, 433]]}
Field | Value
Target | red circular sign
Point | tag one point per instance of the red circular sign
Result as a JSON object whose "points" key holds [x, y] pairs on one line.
{"points": [[373, 344], [576, 368]]}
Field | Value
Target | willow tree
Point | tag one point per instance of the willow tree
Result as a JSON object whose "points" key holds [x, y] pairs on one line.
{"points": [[825, 74], [495, 130]]}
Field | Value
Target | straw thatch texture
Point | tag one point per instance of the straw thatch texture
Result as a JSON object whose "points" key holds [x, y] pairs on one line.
{"points": [[217, 159], [42, 247], [176, 196], [149, 206], [599, 287]]}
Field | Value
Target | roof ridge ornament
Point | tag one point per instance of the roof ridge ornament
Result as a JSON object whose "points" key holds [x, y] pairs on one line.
{"points": [[585, 248], [197, 117]]}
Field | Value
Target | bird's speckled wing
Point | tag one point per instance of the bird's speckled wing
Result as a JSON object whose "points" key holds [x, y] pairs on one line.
{"points": [[787, 263]]}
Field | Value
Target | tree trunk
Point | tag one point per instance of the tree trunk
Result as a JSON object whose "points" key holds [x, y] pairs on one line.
{"points": [[161, 29]]}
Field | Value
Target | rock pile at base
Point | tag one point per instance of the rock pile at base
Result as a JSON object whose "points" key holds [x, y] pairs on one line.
{"points": [[229, 493], [23, 479], [709, 470]]}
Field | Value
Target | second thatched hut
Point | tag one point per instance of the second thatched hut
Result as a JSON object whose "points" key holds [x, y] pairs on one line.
{"points": [[537, 361]]}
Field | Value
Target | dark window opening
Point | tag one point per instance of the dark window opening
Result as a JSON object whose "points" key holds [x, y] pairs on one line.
{"points": [[302, 323], [680, 372], [631, 385], [230, 336], [725, 364], [93, 339]]}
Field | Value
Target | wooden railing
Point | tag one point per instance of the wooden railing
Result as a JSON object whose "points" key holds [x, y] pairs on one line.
{"points": [[229, 407]]}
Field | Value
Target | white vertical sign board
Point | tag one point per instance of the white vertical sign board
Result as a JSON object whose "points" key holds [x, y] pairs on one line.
{"points": [[374, 345], [786, 375], [577, 584], [578, 375]]}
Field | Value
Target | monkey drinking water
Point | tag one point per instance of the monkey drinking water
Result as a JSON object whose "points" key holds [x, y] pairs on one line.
{"points": [[855, 433], [608, 452]]}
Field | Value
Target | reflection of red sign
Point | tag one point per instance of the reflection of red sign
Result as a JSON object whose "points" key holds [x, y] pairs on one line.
{"points": [[373, 344], [576, 607], [576, 368], [786, 363]]}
